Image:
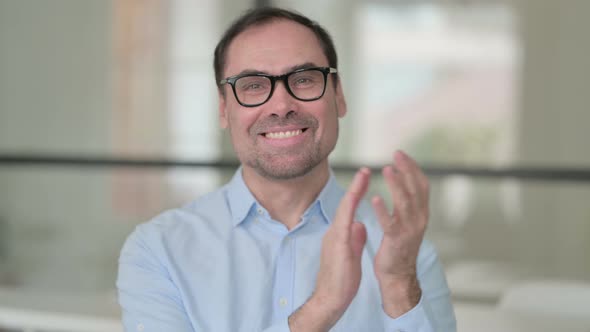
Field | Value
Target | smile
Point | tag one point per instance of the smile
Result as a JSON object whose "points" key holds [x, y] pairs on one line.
{"points": [[284, 134]]}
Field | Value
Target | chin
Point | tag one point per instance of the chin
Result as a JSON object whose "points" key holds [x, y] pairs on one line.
{"points": [[284, 173], [284, 169]]}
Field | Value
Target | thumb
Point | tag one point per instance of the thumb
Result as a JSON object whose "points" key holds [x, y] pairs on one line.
{"points": [[358, 237]]}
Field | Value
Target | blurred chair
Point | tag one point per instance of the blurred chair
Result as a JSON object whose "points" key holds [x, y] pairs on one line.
{"points": [[549, 298]]}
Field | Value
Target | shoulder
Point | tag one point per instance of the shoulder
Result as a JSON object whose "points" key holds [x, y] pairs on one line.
{"points": [[172, 228]]}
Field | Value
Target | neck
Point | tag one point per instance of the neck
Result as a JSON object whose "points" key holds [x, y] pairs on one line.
{"points": [[287, 200]]}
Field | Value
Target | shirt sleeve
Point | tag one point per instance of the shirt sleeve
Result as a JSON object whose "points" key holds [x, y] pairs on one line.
{"points": [[414, 320], [434, 312], [149, 300]]}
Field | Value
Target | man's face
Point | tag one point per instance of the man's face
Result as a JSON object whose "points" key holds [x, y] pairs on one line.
{"points": [[285, 137]]}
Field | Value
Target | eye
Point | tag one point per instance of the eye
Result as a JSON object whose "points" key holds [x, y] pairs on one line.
{"points": [[252, 84], [303, 81], [306, 79]]}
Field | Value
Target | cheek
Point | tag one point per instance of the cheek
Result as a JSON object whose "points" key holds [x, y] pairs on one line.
{"points": [[240, 122], [331, 116]]}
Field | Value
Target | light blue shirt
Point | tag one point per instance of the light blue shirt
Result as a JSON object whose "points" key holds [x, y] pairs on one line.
{"points": [[221, 263]]}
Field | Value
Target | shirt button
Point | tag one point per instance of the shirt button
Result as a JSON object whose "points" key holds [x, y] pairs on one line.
{"points": [[260, 211], [282, 301], [140, 327]]}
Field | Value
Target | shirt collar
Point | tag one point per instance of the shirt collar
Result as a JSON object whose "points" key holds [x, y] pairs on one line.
{"points": [[241, 200], [239, 197], [329, 198]]}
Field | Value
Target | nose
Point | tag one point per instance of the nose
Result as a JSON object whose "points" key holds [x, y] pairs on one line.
{"points": [[281, 102]]}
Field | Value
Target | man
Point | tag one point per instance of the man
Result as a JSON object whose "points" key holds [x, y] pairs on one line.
{"points": [[282, 247]]}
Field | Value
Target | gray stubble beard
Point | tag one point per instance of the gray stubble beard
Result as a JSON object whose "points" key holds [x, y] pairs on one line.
{"points": [[272, 171]]}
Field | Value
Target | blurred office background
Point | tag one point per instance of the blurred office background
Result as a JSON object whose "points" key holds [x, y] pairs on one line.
{"points": [[492, 97]]}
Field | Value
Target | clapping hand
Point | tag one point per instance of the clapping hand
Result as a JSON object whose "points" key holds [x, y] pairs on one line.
{"points": [[403, 231]]}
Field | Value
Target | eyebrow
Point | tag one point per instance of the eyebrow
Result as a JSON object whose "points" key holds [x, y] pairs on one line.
{"points": [[290, 69]]}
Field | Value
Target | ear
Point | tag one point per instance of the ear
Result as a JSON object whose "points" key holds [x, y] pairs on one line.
{"points": [[223, 120], [340, 100]]}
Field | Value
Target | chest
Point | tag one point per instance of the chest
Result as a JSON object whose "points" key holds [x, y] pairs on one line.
{"points": [[251, 278]]}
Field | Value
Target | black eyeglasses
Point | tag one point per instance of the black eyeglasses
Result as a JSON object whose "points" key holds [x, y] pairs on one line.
{"points": [[305, 84]]}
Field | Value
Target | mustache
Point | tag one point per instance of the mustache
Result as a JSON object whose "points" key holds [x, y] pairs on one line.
{"points": [[293, 119]]}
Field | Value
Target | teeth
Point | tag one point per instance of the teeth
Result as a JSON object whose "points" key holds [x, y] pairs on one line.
{"points": [[284, 134]]}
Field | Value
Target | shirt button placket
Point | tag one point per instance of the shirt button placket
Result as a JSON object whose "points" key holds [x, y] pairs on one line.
{"points": [[284, 279], [283, 302]]}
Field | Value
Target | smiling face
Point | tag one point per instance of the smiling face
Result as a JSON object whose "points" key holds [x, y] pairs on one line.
{"points": [[284, 138]]}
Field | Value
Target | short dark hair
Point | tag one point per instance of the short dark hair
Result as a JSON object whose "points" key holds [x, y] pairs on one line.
{"points": [[260, 16]]}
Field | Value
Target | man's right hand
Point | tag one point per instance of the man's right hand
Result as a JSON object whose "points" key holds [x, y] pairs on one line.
{"points": [[339, 276]]}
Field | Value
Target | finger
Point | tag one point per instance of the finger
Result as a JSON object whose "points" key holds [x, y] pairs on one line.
{"points": [[416, 185], [407, 171], [411, 170], [402, 203], [385, 219], [350, 201]]}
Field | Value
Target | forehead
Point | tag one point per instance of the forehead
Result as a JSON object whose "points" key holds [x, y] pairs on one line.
{"points": [[273, 48]]}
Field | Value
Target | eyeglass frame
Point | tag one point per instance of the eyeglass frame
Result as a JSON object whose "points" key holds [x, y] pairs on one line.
{"points": [[274, 78]]}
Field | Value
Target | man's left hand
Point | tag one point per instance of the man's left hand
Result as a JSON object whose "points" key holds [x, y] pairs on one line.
{"points": [[403, 231]]}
